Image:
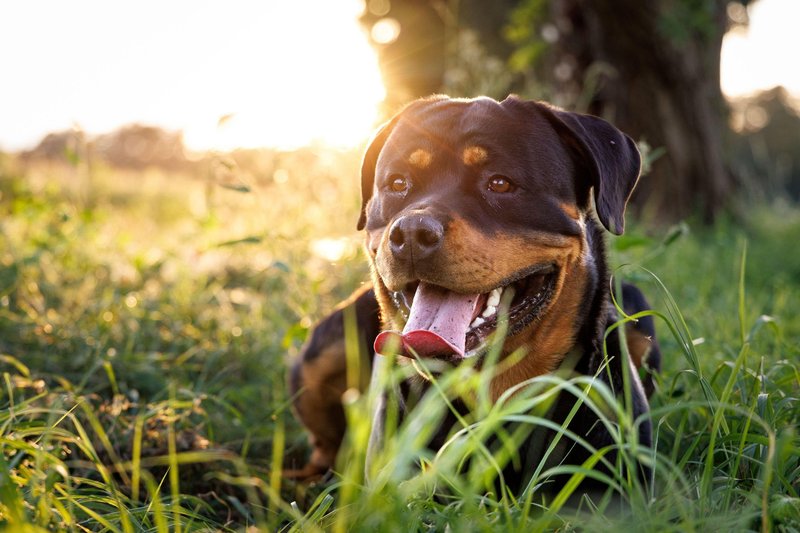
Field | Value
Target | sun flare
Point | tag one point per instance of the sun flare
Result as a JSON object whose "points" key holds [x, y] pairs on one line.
{"points": [[317, 81], [759, 56], [229, 75]]}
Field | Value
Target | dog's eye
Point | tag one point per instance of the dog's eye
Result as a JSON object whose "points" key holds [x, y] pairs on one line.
{"points": [[398, 183], [500, 184]]}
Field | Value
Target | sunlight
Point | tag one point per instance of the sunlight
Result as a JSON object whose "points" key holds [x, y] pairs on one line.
{"points": [[318, 82], [332, 249], [762, 55], [284, 74]]}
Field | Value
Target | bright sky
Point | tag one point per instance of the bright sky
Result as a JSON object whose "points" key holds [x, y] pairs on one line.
{"points": [[290, 71], [765, 53]]}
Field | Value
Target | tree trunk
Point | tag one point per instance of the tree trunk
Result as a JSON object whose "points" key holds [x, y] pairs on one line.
{"points": [[656, 65]]}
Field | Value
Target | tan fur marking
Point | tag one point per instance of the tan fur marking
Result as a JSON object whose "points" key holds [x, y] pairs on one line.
{"points": [[638, 345], [323, 380], [571, 210], [420, 158], [474, 155], [549, 339]]}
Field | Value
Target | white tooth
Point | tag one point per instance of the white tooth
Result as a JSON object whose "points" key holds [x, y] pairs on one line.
{"points": [[489, 311], [477, 322], [494, 297]]}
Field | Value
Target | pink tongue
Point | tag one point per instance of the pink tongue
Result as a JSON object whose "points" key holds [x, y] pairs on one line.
{"points": [[437, 324]]}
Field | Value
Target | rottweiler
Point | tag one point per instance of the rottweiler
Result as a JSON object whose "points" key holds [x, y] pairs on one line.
{"points": [[468, 203]]}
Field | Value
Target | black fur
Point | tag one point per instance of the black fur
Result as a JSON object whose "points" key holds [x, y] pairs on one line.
{"points": [[559, 159]]}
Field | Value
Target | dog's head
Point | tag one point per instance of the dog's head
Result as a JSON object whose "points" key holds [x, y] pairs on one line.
{"points": [[470, 203]]}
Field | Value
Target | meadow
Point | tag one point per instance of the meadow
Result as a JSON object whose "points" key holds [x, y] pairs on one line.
{"points": [[147, 320]]}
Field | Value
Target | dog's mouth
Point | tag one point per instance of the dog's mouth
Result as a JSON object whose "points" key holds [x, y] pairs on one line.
{"points": [[452, 326]]}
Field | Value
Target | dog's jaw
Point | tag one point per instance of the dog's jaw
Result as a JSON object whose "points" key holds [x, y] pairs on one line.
{"points": [[465, 323], [540, 332]]}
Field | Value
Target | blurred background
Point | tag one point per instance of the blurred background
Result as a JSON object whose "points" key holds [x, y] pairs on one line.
{"points": [[179, 190], [708, 85]]}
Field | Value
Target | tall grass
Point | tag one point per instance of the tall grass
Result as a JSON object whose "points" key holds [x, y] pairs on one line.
{"points": [[145, 330]]}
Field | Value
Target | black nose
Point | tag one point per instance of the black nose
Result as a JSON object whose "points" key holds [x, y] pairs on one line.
{"points": [[415, 237]]}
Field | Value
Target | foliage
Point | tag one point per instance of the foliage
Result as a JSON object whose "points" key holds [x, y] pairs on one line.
{"points": [[146, 322], [683, 20], [524, 22]]}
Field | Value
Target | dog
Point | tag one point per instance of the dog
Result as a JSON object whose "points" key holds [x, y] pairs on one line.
{"points": [[467, 203]]}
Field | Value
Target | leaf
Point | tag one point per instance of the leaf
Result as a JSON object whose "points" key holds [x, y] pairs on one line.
{"points": [[280, 265], [296, 333], [221, 121], [627, 242], [253, 239], [785, 508], [238, 188], [675, 232]]}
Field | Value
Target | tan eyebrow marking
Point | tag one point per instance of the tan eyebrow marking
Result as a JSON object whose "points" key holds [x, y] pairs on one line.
{"points": [[420, 158], [571, 211], [474, 155]]}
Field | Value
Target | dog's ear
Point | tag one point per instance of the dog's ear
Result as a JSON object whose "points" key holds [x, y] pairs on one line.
{"points": [[368, 164], [610, 157]]}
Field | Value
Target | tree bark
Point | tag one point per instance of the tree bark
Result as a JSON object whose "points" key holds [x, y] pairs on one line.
{"points": [[659, 84]]}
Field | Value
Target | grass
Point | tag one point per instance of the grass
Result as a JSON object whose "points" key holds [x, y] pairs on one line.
{"points": [[146, 323]]}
